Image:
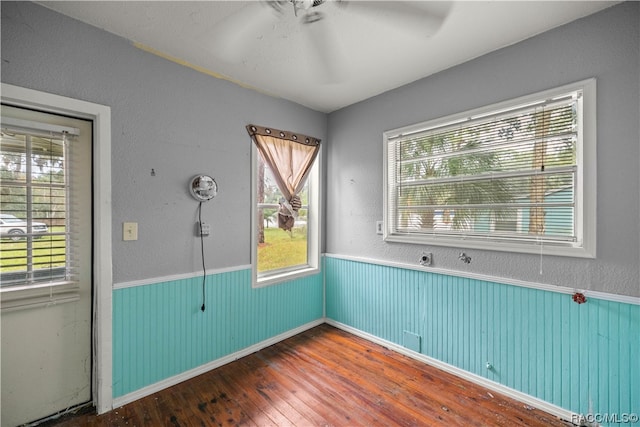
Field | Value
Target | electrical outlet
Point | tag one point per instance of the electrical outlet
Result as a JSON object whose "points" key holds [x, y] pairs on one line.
{"points": [[203, 229], [379, 227], [426, 258], [206, 228]]}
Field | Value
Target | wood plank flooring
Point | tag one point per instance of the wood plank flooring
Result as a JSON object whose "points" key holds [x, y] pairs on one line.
{"points": [[322, 377]]}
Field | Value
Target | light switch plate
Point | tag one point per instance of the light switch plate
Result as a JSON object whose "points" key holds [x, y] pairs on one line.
{"points": [[129, 231]]}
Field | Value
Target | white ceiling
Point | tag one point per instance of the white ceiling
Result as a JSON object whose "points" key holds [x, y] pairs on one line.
{"points": [[359, 50]]}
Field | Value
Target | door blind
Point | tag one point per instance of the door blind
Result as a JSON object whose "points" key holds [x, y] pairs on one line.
{"points": [[36, 204]]}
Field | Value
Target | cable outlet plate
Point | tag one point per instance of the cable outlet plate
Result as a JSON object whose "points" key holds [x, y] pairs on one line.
{"points": [[426, 259], [379, 226], [205, 230]]}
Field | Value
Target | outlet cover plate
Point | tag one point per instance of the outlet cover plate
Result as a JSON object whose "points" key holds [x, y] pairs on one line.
{"points": [[204, 231], [426, 259]]}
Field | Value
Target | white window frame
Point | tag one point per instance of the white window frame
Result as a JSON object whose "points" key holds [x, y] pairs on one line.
{"points": [[585, 186], [313, 228]]}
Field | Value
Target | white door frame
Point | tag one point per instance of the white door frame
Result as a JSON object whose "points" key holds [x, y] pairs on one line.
{"points": [[102, 272]]}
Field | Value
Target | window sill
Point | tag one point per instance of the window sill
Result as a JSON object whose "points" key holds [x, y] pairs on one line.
{"points": [[553, 250], [38, 295], [286, 276]]}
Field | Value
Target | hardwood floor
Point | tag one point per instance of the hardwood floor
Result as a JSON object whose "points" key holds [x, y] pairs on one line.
{"points": [[322, 377]]}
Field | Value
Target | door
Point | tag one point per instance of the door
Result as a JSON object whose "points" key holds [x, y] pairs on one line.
{"points": [[45, 264]]}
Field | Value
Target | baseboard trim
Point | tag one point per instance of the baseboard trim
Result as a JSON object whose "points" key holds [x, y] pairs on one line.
{"points": [[176, 379], [534, 402]]}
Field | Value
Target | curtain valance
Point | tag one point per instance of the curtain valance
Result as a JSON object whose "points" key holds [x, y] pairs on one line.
{"points": [[290, 157]]}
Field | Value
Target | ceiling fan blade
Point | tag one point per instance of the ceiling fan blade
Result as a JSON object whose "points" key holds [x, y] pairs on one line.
{"points": [[232, 38], [331, 59], [422, 18]]}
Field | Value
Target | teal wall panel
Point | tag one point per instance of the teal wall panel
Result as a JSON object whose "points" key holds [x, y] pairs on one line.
{"points": [[584, 358], [159, 330]]}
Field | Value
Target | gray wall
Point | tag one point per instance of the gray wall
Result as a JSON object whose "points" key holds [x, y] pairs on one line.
{"points": [[605, 46], [165, 117], [180, 122]]}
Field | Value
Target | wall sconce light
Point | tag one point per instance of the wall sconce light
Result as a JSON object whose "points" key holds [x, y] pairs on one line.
{"points": [[203, 188]]}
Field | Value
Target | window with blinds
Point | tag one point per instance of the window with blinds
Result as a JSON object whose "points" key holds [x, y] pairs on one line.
{"points": [[505, 177], [35, 205]]}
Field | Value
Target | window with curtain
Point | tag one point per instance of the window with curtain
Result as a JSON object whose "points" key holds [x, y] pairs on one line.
{"points": [[285, 205], [517, 176], [35, 204]]}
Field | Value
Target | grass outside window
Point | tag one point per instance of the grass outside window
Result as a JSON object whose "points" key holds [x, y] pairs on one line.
{"points": [[48, 251], [282, 249]]}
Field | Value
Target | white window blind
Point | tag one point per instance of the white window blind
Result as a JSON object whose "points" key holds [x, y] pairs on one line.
{"points": [[36, 204], [506, 175]]}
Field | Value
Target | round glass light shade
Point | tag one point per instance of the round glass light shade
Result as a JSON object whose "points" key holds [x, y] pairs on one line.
{"points": [[203, 188]]}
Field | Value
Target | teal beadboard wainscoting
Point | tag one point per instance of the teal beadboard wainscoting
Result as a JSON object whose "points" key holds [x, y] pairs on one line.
{"points": [[160, 332], [583, 358]]}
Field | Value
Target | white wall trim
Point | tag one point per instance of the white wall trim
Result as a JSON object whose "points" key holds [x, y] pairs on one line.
{"points": [[626, 299], [184, 276], [476, 379], [102, 266], [176, 379]]}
